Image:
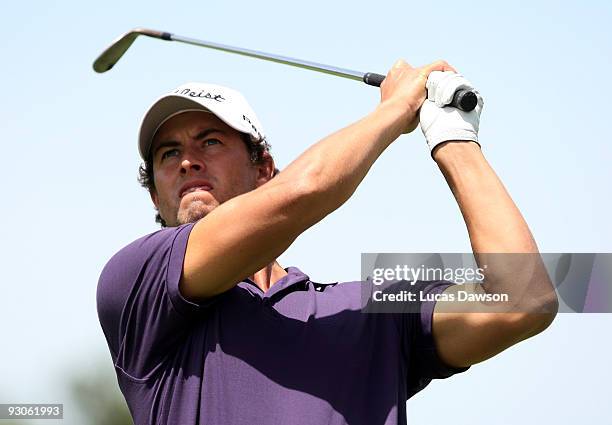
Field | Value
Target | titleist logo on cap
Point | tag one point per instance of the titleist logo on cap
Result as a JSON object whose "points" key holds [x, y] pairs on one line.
{"points": [[202, 93]]}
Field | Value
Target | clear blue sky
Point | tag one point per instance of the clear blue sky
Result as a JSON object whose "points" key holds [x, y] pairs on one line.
{"points": [[69, 159]]}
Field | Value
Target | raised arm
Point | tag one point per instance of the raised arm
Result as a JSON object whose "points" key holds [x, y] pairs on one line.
{"points": [[248, 232], [501, 239]]}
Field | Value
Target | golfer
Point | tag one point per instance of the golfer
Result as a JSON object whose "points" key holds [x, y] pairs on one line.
{"points": [[203, 324]]}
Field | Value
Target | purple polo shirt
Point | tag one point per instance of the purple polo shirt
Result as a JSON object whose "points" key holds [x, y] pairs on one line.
{"points": [[301, 353]]}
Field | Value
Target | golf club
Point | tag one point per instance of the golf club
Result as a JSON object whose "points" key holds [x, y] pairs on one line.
{"points": [[465, 100]]}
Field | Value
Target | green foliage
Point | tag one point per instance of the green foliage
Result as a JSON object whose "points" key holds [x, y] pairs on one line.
{"points": [[98, 397]]}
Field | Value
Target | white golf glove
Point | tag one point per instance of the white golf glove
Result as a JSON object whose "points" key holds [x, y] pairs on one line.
{"points": [[441, 124]]}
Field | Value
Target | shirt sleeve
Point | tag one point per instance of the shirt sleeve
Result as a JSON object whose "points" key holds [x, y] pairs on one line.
{"points": [[141, 311], [423, 362]]}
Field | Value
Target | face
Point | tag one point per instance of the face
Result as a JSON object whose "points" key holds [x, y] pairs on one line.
{"points": [[199, 162]]}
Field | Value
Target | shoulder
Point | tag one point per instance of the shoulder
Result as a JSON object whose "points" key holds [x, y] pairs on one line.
{"points": [[147, 259], [145, 249]]}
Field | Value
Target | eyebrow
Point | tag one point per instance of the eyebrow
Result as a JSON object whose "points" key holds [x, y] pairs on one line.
{"points": [[173, 143]]}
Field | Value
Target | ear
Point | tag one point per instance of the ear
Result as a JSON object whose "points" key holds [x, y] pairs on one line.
{"points": [[265, 171]]}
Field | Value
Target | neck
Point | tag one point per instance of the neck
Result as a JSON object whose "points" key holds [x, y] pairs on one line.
{"points": [[267, 276]]}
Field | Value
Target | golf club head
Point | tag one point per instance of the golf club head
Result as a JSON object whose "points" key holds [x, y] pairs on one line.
{"points": [[115, 51]]}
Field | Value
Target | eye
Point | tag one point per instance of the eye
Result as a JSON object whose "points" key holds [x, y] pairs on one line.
{"points": [[169, 153], [211, 142]]}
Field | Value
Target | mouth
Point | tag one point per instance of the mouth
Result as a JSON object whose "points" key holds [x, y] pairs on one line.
{"points": [[194, 187]]}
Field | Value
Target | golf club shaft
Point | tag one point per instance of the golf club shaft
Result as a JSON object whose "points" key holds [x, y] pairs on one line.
{"points": [[463, 99], [340, 72]]}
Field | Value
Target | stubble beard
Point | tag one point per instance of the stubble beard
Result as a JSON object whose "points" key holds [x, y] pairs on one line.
{"points": [[196, 210]]}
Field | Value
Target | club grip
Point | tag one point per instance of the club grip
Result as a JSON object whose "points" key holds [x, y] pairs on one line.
{"points": [[466, 100], [373, 79]]}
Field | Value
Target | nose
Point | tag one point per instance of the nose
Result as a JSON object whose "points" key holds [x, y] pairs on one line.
{"points": [[191, 164]]}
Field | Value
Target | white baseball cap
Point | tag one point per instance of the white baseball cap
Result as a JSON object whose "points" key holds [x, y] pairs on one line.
{"points": [[227, 104]]}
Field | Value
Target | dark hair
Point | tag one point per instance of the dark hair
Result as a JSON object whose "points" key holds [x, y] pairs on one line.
{"points": [[259, 153]]}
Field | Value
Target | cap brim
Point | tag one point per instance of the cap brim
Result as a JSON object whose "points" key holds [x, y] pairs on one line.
{"points": [[157, 114]]}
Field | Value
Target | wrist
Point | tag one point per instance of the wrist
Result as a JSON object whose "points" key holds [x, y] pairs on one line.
{"points": [[456, 151], [398, 114]]}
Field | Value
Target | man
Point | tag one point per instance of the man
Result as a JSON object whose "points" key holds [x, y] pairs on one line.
{"points": [[205, 327]]}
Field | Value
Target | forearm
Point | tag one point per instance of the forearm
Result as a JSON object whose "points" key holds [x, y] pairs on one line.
{"points": [[332, 169], [498, 233], [494, 223]]}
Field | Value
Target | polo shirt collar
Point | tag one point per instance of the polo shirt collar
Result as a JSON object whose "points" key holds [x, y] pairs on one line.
{"points": [[290, 282]]}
